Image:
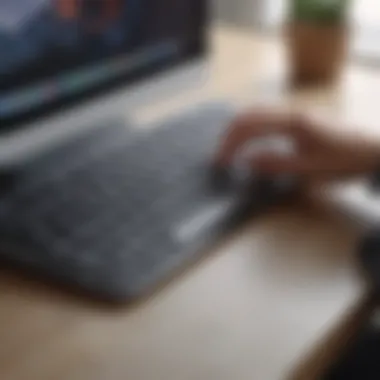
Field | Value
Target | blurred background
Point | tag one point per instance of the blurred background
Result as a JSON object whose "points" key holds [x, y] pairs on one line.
{"points": [[269, 15]]}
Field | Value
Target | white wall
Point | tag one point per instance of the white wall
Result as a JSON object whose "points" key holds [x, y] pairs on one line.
{"points": [[366, 13]]}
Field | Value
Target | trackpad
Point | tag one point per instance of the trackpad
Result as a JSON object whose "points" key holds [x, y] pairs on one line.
{"points": [[203, 221]]}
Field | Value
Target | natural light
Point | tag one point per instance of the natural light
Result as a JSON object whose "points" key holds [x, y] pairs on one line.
{"points": [[364, 12], [367, 13]]}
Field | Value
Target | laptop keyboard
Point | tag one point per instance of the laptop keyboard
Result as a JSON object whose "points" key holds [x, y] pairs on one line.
{"points": [[98, 213]]}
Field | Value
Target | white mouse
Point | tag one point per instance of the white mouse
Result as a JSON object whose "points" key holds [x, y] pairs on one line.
{"points": [[273, 144], [277, 145]]}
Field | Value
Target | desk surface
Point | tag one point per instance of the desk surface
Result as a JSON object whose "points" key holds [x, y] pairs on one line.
{"points": [[253, 309]]}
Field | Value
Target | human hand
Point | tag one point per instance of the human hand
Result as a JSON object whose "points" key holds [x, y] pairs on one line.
{"points": [[321, 153]]}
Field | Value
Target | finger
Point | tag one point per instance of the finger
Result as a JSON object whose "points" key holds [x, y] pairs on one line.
{"points": [[250, 126], [309, 167], [273, 165], [302, 165]]}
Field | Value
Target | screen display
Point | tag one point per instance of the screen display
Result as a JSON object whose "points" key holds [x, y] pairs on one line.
{"points": [[56, 51]]}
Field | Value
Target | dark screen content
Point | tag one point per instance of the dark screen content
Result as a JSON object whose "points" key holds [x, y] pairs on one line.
{"points": [[52, 49]]}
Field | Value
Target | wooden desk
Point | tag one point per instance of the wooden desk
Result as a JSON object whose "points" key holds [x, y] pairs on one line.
{"points": [[255, 309]]}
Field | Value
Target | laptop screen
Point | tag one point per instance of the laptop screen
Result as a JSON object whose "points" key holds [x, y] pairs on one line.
{"points": [[53, 52]]}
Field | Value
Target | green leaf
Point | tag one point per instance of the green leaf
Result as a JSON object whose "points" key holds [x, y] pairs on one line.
{"points": [[323, 11]]}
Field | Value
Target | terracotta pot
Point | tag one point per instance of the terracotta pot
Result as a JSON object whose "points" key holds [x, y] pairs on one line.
{"points": [[316, 52]]}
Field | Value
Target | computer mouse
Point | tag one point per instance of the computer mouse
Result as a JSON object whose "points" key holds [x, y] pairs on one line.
{"points": [[272, 144], [241, 173], [246, 182], [276, 145]]}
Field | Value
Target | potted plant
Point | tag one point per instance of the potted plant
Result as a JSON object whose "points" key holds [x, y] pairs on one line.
{"points": [[317, 35]]}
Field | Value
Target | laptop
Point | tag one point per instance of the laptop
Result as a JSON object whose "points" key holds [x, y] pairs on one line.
{"points": [[88, 199]]}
